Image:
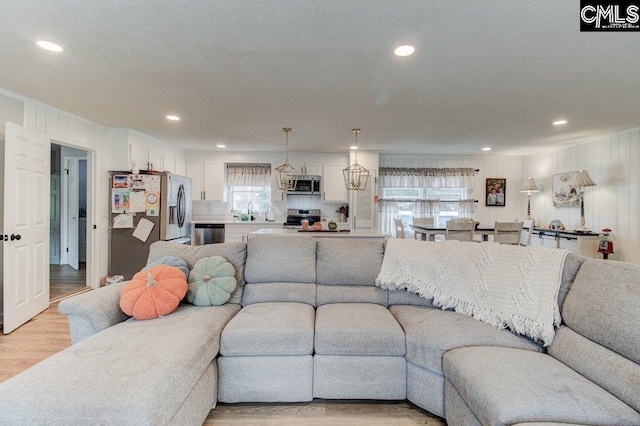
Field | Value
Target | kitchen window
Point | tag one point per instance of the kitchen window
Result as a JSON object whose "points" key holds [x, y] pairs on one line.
{"points": [[259, 196], [249, 183]]}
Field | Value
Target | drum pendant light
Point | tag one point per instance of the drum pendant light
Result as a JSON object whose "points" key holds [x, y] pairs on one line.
{"points": [[356, 176], [287, 175]]}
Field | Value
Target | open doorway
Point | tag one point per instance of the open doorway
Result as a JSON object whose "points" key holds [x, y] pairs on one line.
{"points": [[68, 222]]}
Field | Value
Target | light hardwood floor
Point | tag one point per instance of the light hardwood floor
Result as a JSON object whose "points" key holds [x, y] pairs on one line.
{"points": [[48, 333], [64, 281]]}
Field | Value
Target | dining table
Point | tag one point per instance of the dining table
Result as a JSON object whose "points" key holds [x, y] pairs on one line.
{"points": [[429, 233]]}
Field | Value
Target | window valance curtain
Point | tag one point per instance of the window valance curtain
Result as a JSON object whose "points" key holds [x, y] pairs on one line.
{"points": [[407, 177], [251, 174]]}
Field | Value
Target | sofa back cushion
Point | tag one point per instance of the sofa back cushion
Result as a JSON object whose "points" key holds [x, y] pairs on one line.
{"points": [[280, 269], [602, 315], [347, 270], [234, 253]]}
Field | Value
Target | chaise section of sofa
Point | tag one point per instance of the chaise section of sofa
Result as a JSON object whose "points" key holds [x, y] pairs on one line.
{"points": [[432, 332], [267, 348], [591, 374], [134, 373]]}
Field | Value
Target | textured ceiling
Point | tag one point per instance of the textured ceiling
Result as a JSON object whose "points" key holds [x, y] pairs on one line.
{"points": [[484, 73]]}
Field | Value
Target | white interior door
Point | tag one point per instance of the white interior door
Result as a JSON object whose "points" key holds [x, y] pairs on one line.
{"points": [[27, 167], [72, 213]]}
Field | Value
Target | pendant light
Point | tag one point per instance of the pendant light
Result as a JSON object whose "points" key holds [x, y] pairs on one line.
{"points": [[287, 175], [356, 176]]}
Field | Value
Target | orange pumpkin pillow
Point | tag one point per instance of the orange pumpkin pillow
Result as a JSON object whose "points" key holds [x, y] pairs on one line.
{"points": [[153, 292]]}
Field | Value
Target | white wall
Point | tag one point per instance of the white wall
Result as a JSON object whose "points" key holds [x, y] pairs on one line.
{"points": [[612, 163], [509, 168]]}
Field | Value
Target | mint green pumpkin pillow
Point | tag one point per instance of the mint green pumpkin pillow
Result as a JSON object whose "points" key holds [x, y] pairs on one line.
{"points": [[211, 281]]}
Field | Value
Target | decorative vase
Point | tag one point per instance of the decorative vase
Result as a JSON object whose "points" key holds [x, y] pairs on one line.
{"points": [[333, 226]]}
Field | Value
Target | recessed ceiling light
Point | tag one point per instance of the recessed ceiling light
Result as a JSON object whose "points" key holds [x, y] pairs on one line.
{"points": [[559, 122], [173, 118], [47, 45], [221, 145], [486, 148], [353, 147], [405, 50]]}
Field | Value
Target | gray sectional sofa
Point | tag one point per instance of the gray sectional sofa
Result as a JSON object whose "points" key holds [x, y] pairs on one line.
{"points": [[307, 321]]}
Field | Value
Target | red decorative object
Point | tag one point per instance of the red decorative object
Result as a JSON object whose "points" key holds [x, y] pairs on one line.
{"points": [[606, 245]]}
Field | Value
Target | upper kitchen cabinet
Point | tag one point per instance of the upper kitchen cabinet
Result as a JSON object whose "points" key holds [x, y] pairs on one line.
{"points": [[208, 180], [181, 167], [333, 187], [148, 153]]}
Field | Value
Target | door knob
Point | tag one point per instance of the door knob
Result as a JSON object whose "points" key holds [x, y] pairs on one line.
{"points": [[15, 237]]}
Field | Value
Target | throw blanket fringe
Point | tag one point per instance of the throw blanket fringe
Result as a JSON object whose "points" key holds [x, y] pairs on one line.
{"points": [[505, 286]]}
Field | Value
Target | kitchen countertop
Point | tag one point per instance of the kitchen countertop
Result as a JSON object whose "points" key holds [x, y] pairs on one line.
{"points": [[226, 222], [320, 234]]}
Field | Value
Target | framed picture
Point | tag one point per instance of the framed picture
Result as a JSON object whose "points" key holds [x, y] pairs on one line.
{"points": [[496, 192], [565, 193]]}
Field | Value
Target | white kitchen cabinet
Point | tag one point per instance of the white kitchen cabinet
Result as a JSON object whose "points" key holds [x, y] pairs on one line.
{"points": [[362, 207], [239, 232], [155, 160], [333, 187], [208, 180], [308, 168], [169, 163], [140, 156], [181, 167]]}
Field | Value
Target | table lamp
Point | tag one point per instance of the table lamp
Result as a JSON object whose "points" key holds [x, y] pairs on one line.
{"points": [[529, 186], [582, 181]]}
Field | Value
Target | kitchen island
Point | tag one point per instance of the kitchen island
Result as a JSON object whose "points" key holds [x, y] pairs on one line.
{"points": [[359, 234]]}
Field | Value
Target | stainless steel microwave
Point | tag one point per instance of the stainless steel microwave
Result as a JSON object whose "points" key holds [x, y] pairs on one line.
{"points": [[306, 184]]}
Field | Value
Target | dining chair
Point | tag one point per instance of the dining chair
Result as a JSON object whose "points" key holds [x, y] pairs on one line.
{"points": [[460, 230], [527, 230], [425, 222], [507, 232], [399, 228]]}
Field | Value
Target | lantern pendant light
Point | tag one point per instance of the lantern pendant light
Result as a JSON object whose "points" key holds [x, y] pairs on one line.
{"points": [[356, 177], [287, 175]]}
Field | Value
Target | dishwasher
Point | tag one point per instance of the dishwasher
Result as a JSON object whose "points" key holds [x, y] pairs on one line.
{"points": [[208, 233]]}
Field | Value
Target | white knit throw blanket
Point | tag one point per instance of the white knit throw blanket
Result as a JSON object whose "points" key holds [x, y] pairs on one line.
{"points": [[503, 285]]}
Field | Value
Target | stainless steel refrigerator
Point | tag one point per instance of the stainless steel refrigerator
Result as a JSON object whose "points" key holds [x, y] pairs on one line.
{"points": [[161, 198]]}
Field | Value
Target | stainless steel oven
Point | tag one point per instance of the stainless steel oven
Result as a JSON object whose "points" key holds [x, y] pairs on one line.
{"points": [[208, 233], [295, 216]]}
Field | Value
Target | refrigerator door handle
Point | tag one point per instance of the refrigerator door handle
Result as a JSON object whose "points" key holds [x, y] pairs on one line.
{"points": [[181, 206]]}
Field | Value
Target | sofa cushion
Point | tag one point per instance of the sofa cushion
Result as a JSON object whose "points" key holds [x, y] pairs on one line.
{"points": [[281, 259], [431, 332], [606, 368], [279, 292], [326, 294], [603, 305], [507, 386], [235, 253], [135, 372], [280, 328], [349, 262], [357, 329]]}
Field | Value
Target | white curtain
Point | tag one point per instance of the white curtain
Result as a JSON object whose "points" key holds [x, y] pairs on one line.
{"points": [[248, 174], [426, 208], [466, 208], [406, 177], [387, 212]]}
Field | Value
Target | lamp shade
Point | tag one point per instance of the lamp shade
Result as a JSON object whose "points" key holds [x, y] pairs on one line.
{"points": [[529, 185], [583, 179]]}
